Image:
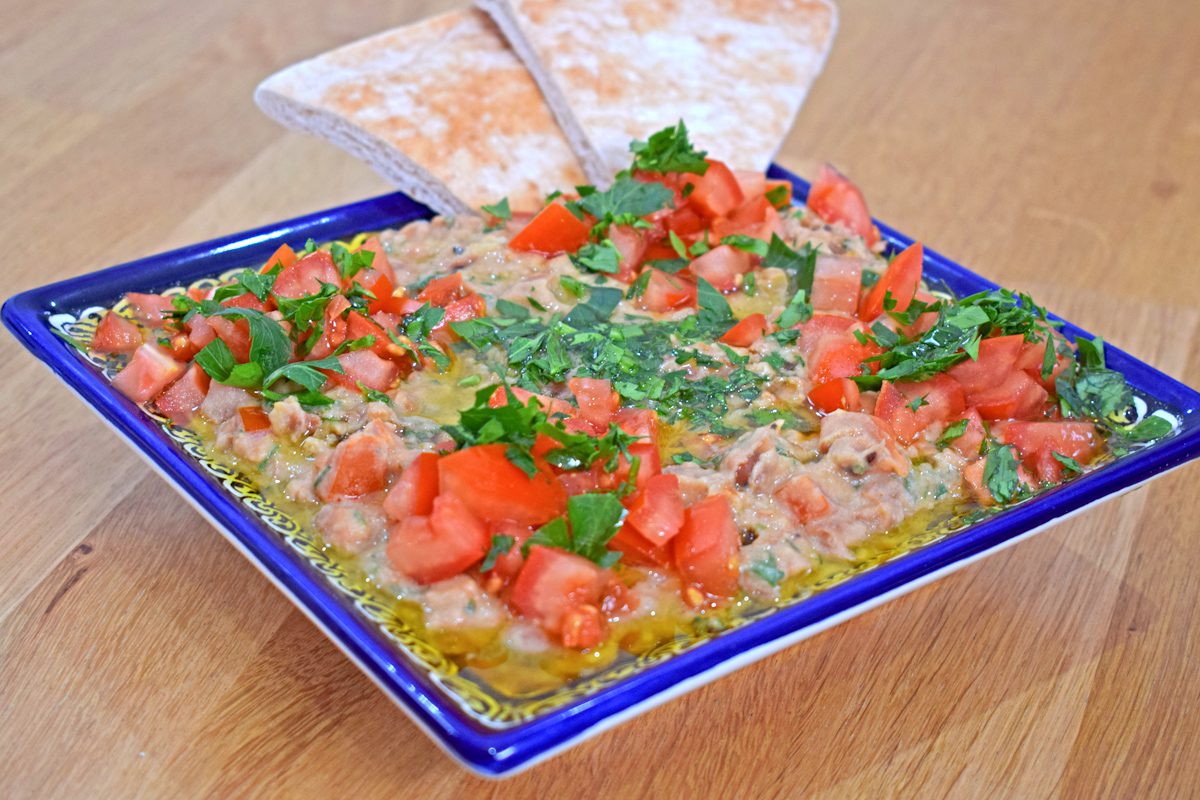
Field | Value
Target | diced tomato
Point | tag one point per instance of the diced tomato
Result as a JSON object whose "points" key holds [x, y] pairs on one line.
{"points": [[508, 565], [387, 300], [684, 222], [587, 481], [413, 492], [971, 441], [554, 230], [656, 511], [150, 309], [368, 368], [552, 406], [597, 400], [667, 292], [938, 399], [149, 371], [358, 326], [1017, 397], [706, 548], [380, 265], [446, 543], [1030, 360], [812, 330], [722, 266], [637, 550], [305, 276], [358, 466], [836, 284], [1077, 440], [752, 182], [115, 334], [838, 355], [495, 489], [803, 498], [835, 394], [640, 422], [245, 300], [235, 333], [632, 247], [333, 332], [835, 199], [649, 463], [553, 582], [183, 397], [200, 332], [284, 256], [254, 419], [468, 307], [746, 332], [444, 290], [716, 192], [756, 218], [900, 281], [997, 359], [582, 627]]}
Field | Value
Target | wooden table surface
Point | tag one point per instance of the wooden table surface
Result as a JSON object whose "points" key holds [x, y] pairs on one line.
{"points": [[1054, 147]]}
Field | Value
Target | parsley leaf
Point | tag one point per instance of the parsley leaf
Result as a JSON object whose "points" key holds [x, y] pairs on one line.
{"points": [[797, 310], [350, 262], [749, 244], [799, 265], [714, 310], [1000, 474], [768, 569], [668, 150], [501, 544], [591, 522], [499, 210], [624, 199], [603, 257], [1070, 464], [952, 432]]}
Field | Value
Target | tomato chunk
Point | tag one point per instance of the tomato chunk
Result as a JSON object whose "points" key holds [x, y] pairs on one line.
{"points": [[971, 441], [899, 281], [667, 292], [369, 369], [838, 355], [284, 256], [637, 550], [182, 398], [656, 511], [150, 309], [413, 492], [836, 284], [148, 373], [254, 419], [448, 542], [717, 191], [358, 466], [115, 334], [597, 400], [803, 498], [911, 407], [997, 358], [554, 230], [306, 275], [495, 489], [1077, 440], [835, 394], [746, 332], [554, 582], [1017, 397], [722, 266], [706, 548], [835, 199]]}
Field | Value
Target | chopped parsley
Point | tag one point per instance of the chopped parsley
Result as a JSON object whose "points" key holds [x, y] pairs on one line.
{"points": [[1000, 474], [501, 544], [668, 150], [591, 522]]}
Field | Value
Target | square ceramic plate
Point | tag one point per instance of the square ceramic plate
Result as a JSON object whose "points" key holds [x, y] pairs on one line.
{"points": [[489, 732]]}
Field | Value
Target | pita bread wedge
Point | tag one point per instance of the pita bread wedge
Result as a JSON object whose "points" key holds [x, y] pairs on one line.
{"points": [[736, 71], [443, 109]]}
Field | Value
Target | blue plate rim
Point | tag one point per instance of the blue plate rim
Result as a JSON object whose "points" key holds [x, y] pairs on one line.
{"points": [[496, 753]]}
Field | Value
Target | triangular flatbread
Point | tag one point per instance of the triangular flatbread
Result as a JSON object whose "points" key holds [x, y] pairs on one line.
{"points": [[443, 109], [736, 71]]}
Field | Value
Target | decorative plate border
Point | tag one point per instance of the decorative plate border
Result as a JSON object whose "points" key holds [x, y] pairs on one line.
{"points": [[596, 704]]}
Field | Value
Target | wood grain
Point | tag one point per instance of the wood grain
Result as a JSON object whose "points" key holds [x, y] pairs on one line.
{"points": [[1053, 147]]}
